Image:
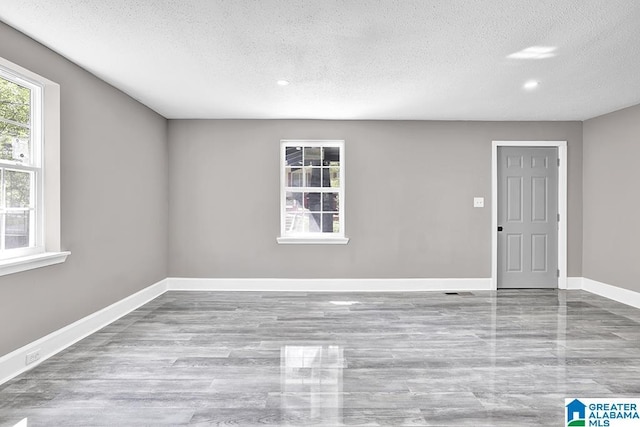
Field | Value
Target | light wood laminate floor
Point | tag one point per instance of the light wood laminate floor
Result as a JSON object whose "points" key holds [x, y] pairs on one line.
{"points": [[506, 358]]}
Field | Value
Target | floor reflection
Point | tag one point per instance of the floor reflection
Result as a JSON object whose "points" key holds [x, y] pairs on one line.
{"points": [[311, 382], [527, 347]]}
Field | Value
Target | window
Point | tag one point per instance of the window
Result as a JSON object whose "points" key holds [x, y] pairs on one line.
{"points": [[312, 192], [20, 166], [29, 145]]}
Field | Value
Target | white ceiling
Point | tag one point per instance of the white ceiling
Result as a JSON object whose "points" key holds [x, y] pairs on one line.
{"points": [[350, 59]]}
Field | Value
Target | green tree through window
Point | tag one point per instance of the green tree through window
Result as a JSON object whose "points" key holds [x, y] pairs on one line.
{"points": [[15, 120]]}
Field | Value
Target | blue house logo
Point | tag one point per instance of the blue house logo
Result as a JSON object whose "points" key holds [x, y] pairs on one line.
{"points": [[576, 413]]}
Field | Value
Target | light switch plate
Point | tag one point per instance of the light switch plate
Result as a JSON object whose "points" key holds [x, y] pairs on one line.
{"points": [[478, 202]]}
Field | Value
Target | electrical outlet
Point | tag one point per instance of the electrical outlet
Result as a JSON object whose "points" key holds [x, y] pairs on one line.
{"points": [[32, 357]]}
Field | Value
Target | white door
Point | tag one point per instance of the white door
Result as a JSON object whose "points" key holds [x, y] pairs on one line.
{"points": [[527, 217]]}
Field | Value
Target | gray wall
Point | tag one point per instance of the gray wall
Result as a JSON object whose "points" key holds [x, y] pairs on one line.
{"points": [[409, 192], [114, 202], [409, 196], [611, 202]]}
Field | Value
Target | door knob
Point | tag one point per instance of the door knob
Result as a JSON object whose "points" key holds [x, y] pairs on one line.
{"points": [[499, 228]]}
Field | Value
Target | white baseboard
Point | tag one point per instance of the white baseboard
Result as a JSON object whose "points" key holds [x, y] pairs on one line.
{"points": [[329, 285], [14, 363], [625, 296], [574, 283]]}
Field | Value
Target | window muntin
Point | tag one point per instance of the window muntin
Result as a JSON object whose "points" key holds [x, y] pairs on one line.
{"points": [[312, 189], [20, 166]]}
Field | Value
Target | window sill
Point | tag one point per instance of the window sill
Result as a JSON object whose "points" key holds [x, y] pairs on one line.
{"points": [[16, 265], [312, 240]]}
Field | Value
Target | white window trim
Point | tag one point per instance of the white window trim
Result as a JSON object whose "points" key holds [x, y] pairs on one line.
{"points": [[311, 238], [290, 240], [49, 252], [24, 263]]}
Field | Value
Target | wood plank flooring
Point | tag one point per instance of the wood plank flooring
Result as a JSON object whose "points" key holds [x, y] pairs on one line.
{"points": [[506, 358]]}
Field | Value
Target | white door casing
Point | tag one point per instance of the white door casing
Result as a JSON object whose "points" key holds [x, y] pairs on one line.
{"points": [[562, 206]]}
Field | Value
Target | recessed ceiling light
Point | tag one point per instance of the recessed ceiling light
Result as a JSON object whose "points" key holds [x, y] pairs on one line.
{"points": [[534, 52], [344, 302], [531, 84], [283, 82]]}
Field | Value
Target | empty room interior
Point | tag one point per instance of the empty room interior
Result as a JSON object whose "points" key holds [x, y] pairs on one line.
{"points": [[328, 213]]}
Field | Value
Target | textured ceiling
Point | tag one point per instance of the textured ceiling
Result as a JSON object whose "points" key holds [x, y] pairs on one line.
{"points": [[350, 59]]}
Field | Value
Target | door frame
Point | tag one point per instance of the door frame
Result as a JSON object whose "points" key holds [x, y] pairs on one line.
{"points": [[562, 205]]}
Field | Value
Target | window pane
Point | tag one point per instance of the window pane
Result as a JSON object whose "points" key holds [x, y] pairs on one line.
{"points": [[331, 177], [312, 156], [295, 177], [14, 143], [329, 223], [336, 223], [314, 177], [331, 156], [16, 230], [330, 202], [15, 102], [293, 156], [294, 222], [312, 222], [313, 201], [17, 189], [295, 201]]}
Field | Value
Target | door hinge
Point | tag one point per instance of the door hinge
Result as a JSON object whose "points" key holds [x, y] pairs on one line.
{"points": [[558, 162], [558, 217], [558, 273]]}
